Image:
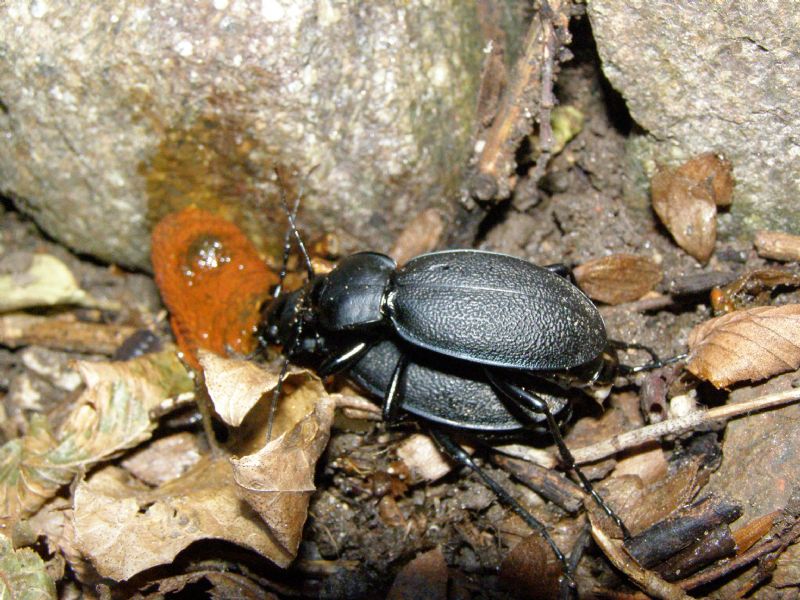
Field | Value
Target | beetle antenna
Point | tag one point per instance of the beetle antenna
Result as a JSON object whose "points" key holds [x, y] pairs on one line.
{"points": [[290, 215], [276, 393], [287, 244]]}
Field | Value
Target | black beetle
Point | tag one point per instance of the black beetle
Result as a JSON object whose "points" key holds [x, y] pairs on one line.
{"points": [[444, 325], [437, 388], [478, 307]]}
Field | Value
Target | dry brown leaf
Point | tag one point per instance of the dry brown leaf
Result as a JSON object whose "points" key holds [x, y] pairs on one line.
{"points": [[113, 511], [235, 385], [114, 413], [618, 278], [750, 344], [531, 570], [164, 459], [712, 171], [424, 577], [114, 514], [277, 481], [777, 245], [686, 200], [241, 391]]}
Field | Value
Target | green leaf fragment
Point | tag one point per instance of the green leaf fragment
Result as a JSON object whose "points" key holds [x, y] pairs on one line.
{"points": [[113, 414], [23, 575]]}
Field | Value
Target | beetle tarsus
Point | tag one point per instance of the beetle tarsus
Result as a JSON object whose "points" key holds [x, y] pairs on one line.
{"points": [[656, 362]]}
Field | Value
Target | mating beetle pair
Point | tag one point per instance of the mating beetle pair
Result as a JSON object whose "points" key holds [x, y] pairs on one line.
{"points": [[463, 338], [421, 335]]}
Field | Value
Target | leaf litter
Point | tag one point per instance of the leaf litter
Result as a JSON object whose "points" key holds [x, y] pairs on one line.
{"points": [[256, 493]]}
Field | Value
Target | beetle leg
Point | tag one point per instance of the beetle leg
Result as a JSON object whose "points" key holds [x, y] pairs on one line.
{"points": [[655, 363], [537, 404], [344, 360], [461, 457], [391, 401]]}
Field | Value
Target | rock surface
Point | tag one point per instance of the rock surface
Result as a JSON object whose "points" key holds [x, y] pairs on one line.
{"points": [[712, 77], [116, 114]]}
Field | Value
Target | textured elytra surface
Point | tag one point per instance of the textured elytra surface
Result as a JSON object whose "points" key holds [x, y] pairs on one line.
{"points": [[443, 390], [496, 310]]}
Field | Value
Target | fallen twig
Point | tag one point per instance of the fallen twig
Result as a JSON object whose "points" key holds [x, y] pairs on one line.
{"points": [[62, 333], [530, 85], [631, 439], [648, 581], [778, 543]]}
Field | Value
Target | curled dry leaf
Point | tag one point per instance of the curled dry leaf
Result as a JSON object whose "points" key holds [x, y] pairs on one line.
{"points": [[212, 280], [114, 513], [23, 574], [686, 200], [618, 278], [750, 344], [111, 415], [236, 385], [241, 394], [277, 481]]}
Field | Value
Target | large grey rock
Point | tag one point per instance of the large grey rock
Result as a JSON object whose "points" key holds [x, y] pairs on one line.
{"points": [[114, 113], [712, 76]]}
